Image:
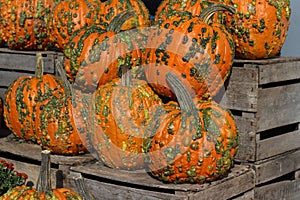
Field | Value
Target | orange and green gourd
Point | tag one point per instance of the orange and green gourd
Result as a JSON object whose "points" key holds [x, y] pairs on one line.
{"points": [[22, 96], [93, 56], [123, 110], [54, 126], [191, 141], [69, 16], [259, 27], [24, 24], [43, 190], [200, 52]]}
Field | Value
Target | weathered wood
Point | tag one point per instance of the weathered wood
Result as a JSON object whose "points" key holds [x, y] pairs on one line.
{"points": [[289, 190], [7, 77], [246, 196], [270, 169], [99, 176], [277, 145], [278, 106], [25, 61], [241, 90], [27, 157]]}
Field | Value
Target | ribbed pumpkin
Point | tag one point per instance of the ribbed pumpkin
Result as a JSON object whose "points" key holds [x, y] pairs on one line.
{"points": [[193, 141], [69, 16], [122, 113], [92, 48], [43, 191], [21, 98], [54, 125], [201, 53], [24, 23], [109, 9], [259, 27]]}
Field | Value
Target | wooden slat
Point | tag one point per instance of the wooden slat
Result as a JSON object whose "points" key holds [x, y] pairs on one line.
{"points": [[141, 180], [281, 59], [2, 91], [276, 167], [278, 72], [241, 90], [289, 190], [7, 77], [25, 62], [247, 146], [278, 106], [278, 145], [246, 196]]}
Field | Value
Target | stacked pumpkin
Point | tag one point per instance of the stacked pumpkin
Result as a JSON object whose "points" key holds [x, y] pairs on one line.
{"points": [[141, 96]]}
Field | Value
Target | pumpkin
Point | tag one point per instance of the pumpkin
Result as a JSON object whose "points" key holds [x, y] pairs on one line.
{"points": [[122, 111], [192, 141], [21, 97], [92, 47], [24, 23], [109, 9], [259, 27], [69, 16], [201, 53], [55, 127], [43, 190]]}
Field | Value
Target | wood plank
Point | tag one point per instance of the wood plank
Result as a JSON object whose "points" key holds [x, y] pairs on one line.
{"points": [[278, 145], [282, 190], [2, 91], [108, 191], [273, 168], [7, 77], [25, 62], [241, 90], [281, 59], [277, 72], [278, 106], [141, 179], [247, 147], [246, 196]]}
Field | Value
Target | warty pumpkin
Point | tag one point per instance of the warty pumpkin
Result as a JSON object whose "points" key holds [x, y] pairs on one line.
{"points": [[191, 141], [55, 128], [43, 190], [21, 97], [259, 27], [69, 16], [200, 52], [122, 112], [93, 47], [24, 23]]}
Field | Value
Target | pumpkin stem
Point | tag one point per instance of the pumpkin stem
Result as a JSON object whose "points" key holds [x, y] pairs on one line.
{"points": [[44, 180], [183, 96], [39, 70], [117, 22], [208, 12], [62, 74], [126, 76], [81, 187]]}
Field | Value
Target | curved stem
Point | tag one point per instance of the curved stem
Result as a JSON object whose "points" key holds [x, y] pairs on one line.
{"points": [[126, 76], [183, 96], [39, 70], [118, 21], [44, 180], [63, 76], [208, 12], [81, 187]]}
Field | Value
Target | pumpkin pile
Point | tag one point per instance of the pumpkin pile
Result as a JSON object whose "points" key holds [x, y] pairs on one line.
{"points": [[138, 93]]}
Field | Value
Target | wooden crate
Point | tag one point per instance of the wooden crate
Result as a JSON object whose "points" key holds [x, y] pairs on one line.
{"points": [[106, 183], [20, 63], [26, 158], [264, 96]]}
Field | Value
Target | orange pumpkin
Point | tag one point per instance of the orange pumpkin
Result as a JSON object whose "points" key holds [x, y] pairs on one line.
{"points": [[193, 141]]}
